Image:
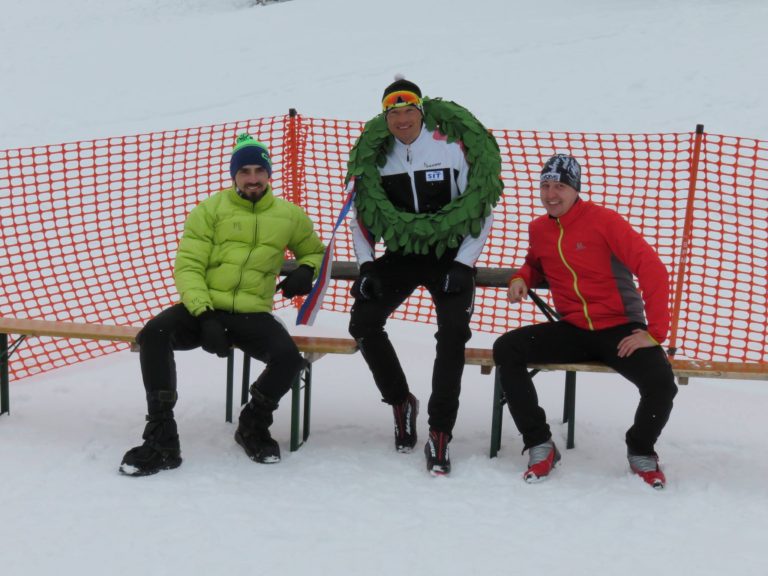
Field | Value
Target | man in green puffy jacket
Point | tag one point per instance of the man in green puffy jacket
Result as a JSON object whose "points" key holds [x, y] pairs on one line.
{"points": [[226, 267]]}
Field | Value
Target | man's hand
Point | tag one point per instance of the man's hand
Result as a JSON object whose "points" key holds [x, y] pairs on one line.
{"points": [[213, 335], [517, 290], [638, 339], [368, 285], [298, 282], [459, 278]]}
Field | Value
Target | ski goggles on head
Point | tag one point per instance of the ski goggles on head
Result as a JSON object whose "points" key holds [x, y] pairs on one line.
{"points": [[400, 99]]}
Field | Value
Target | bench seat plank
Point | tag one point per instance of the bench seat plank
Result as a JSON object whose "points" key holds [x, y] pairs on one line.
{"points": [[682, 368], [82, 330], [322, 345], [33, 327]]}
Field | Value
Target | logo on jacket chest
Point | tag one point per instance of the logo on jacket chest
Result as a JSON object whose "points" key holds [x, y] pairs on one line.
{"points": [[435, 176]]}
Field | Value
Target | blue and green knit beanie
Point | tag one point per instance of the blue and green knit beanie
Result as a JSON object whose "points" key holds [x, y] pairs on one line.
{"points": [[249, 151]]}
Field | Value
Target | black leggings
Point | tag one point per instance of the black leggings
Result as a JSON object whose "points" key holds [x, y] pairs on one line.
{"points": [[400, 276], [560, 342], [258, 334]]}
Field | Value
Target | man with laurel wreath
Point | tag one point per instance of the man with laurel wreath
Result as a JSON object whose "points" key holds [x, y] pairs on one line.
{"points": [[416, 188]]}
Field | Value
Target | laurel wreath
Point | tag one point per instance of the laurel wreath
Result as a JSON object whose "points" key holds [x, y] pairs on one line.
{"points": [[411, 233]]}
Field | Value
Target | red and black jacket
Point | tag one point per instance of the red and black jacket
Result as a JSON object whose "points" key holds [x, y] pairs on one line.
{"points": [[589, 257]]}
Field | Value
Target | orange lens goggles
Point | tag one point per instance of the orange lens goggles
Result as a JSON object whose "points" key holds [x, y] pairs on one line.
{"points": [[399, 99]]}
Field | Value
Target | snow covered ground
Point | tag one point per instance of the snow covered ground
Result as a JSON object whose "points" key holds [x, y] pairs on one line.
{"points": [[346, 503]]}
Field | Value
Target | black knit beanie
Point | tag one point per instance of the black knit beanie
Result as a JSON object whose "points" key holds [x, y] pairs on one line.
{"points": [[563, 168]]}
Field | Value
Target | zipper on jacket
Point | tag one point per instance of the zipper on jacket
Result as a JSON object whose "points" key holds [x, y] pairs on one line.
{"points": [[411, 178], [573, 273], [248, 257]]}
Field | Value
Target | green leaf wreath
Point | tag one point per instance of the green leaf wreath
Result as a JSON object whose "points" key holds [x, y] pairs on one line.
{"points": [[411, 233]]}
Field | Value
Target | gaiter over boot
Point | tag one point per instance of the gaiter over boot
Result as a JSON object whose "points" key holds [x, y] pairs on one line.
{"points": [[253, 429], [160, 450]]}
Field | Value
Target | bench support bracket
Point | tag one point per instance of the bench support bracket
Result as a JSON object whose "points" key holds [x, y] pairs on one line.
{"points": [[300, 411], [497, 414], [569, 407], [569, 410], [303, 382], [5, 354]]}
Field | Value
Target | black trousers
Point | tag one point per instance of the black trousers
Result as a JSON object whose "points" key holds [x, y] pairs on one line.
{"points": [[560, 342], [400, 276], [257, 334]]}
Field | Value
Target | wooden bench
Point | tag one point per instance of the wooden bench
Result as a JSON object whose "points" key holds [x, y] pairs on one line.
{"points": [[683, 369], [312, 348]]}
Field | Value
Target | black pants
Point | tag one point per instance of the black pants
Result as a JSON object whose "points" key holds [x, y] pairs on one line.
{"points": [[560, 342], [258, 334], [400, 276]]}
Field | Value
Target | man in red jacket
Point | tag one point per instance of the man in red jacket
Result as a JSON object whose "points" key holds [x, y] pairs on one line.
{"points": [[588, 255]]}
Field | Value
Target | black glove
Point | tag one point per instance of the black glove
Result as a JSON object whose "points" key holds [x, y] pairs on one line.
{"points": [[459, 278], [213, 335], [298, 282], [368, 285]]}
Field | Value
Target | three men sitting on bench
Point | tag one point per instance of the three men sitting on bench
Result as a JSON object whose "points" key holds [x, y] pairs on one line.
{"points": [[231, 252]]}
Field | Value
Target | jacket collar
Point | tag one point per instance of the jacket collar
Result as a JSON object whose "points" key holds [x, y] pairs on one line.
{"points": [[574, 213], [262, 204], [423, 135]]}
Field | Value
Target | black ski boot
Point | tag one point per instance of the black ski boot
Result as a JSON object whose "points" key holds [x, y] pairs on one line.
{"points": [[405, 424], [253, 429], [160, 451], [436, 451]]}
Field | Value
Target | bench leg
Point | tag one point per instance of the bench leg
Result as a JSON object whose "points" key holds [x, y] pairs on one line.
{"points": [[5, 407], [295, 412], [5, 355], [303, 381], [246, 379], [307, 400], [498, 412], [569, 407], [305, 377], [230, 378]]}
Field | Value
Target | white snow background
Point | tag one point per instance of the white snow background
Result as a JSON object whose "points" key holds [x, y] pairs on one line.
{"points": [[347, 503]]}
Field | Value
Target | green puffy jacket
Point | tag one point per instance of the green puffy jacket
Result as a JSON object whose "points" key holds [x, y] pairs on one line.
{"points": [[232, 250]]}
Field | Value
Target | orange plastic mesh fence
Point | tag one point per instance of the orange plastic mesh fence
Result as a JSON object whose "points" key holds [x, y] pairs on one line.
{"points": [[90, 229], [724, 285]]}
